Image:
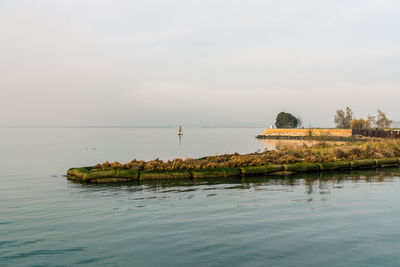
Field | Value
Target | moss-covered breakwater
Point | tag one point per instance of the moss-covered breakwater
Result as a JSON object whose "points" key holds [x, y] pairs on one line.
{"points": [[92, 175]]}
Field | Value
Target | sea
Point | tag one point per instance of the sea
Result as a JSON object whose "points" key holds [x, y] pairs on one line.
{"points": [[321, 219]]}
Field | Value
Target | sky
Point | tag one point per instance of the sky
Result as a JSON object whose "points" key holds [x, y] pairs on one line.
{"points": [[196, 62]]}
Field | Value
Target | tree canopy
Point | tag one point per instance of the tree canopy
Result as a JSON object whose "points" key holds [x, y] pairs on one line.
{"points": [[379, 121], [343, 118], [382, 121], [360, 124], [286, 120]]}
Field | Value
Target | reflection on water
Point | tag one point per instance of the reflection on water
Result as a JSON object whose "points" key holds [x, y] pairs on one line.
{"points": [[271, 144], [254, 221], [321, 183]]}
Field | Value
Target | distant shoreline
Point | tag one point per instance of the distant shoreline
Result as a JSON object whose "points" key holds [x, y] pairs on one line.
{"points": [[131, 127]]}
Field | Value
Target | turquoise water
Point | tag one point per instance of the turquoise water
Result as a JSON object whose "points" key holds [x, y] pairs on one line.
{"points": [[335, 219]]}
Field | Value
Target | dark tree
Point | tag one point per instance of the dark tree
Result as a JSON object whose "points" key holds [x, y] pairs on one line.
{"points": [[286, 120]]}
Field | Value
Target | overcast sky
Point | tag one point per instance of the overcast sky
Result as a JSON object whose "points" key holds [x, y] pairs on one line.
{"points": [[205, 62]]}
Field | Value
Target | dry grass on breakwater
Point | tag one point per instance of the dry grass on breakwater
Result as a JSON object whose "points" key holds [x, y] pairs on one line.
{"points": [[285, 153], [290, 158]]}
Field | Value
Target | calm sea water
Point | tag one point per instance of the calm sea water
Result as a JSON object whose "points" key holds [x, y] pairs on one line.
{"points": [[335, 219]]}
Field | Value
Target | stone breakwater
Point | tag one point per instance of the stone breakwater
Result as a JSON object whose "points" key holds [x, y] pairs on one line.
{"points": [[90, 175], [304, 133]]}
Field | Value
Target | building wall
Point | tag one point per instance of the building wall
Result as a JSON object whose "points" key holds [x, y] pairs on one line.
{"points": [[305, 132]]}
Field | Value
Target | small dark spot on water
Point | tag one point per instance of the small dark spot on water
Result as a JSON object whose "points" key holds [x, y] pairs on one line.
{"points": [[91, 260], [178, 191], [211, 195], [301, 200], [242, 186], [144, 198], [210, 188], [188, 197]]}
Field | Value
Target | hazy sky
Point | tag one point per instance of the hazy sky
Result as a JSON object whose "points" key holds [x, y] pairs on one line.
{"points": [[205, 62]]}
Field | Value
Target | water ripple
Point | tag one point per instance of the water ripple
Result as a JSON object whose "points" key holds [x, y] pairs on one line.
{"points": [[42, 252]]}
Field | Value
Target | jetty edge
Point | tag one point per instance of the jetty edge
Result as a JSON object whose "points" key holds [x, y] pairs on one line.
{"points": [[91, 175], [325, 134]]}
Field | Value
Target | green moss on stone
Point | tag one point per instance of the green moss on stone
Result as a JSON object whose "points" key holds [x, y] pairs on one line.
{"points": [[110, 180], [87, 173], [387, 162], [254, 170], [80, 173], [154, 175], [214, 173], [232, 172], [131, 174], [335, 165], [363, 163], [274, 168], [302, 167]]}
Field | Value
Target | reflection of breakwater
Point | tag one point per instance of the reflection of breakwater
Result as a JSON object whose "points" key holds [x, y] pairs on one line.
{"points": [[377, 175], [308, 132], [313, 182], [272, 144]]}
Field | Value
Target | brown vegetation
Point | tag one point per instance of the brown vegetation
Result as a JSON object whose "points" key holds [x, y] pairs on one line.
{"points": [[284, 154], [346, 120], [360, 124]]}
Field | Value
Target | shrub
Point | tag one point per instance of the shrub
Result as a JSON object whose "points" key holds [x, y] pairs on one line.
{"points": [[286, 120], [285, 154]]}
